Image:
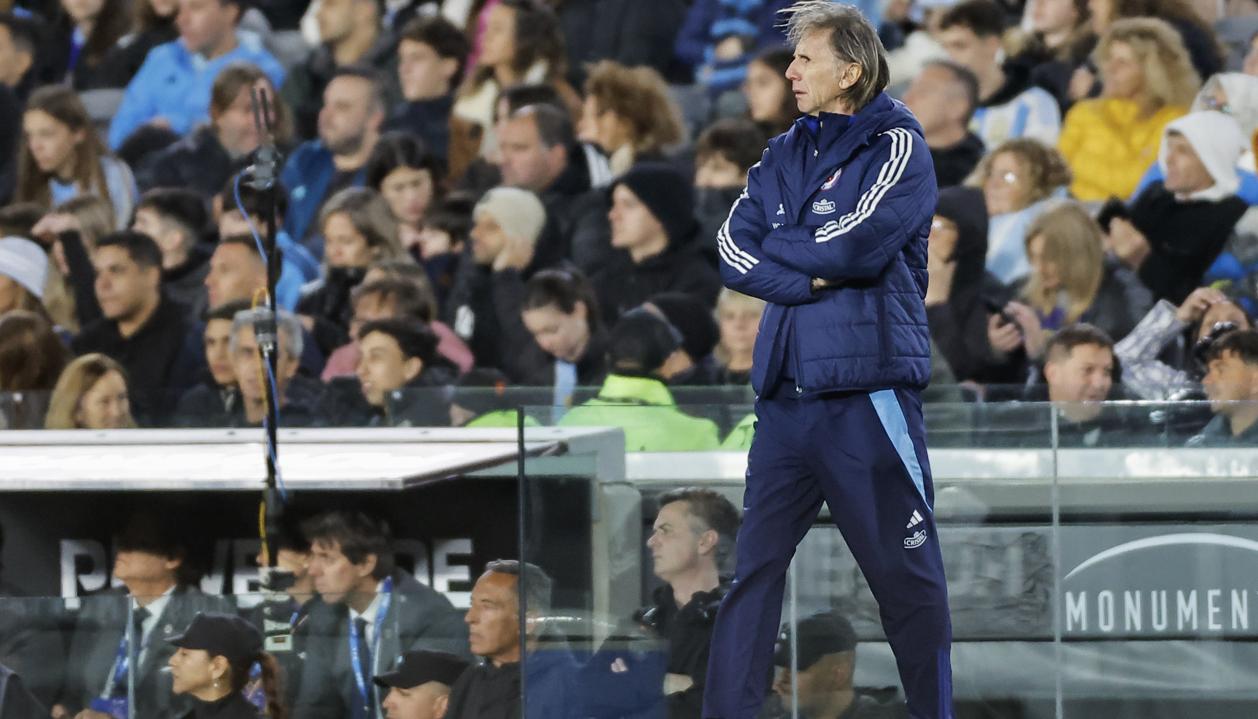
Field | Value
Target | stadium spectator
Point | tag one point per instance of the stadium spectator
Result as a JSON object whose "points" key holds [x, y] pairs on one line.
{"points": [[724, 152], [91, 394], [817, 681], [349, 125], [1019, 179], [399, 379], [158, 598], [1196, 34], [208, 42], [635, 397], [1079, 376], [1159, 357], [63, 156], [691, 364], [443, 240], [943, 97], [23, 275], [298, 395], [216, 398], [431, 55], [350, 35], [152, 24], [419, 685], [409, 178], [738, 317], [371, 601], [561, 313], [1059, 42], [718, 39], [484, 306], [146, 332], [213, 664], [298, 265], [358, 229], [629, 113], [1236, 95], [19, 37], [767, 92], [1231, 383], [538, 152], [653, 229], [1147, 81], [32, 357], [1009, 105], [237, 272], [178, 220], [207, 157], [70, 233], [1176, 228], [80, 37]]}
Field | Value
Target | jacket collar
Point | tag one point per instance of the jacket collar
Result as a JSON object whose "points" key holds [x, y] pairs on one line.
{"points": [[638, 390]]}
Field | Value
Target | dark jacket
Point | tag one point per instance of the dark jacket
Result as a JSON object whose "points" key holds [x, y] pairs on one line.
{"points": [[197, 161], [307, 176], [1218, 433], [484, 691], [630, 32], [302, 397], [591, 367], [16, 701], [688, 631], [954, 164], [418, 618], [232, 706], [185, 284], [32, 645], [162, 358], [1022, 417], [623, 284], [328, 301], [427, 119], [484, 310], [849, 201], [124, 59], [576, 226], [304, 86], [420, 403], [208, 405]]}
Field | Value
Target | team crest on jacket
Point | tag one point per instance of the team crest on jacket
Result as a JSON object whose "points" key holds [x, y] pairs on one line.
{"points": [[823, 207], [832, 179]]}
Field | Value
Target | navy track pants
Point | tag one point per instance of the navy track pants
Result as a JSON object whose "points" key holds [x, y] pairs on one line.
{"points": [[864, 454]]}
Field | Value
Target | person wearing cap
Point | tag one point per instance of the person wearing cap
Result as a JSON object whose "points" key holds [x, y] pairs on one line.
{"points": [[831, 232], [1177, 226], [484, 305], [23, 272], [419, 686], [654, 232], [635, 396], [816, 683], [212, 663]]}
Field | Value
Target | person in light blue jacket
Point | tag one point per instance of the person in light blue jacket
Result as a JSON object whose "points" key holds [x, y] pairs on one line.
{"points": [[173, 85]]}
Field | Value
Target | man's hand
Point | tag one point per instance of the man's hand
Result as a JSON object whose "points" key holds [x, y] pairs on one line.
{"points": [[59, 712], [53, 224], [1034, 339], [675, 683], [1195, 306], [1127, 243], [1004, 337]]}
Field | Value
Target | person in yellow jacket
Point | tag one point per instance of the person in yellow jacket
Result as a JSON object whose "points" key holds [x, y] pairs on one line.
{"points": [[1147, 81], [634, 396]]}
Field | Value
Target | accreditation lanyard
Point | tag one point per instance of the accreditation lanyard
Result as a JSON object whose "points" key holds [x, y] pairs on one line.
{"points": [[122, 660], [356, 661]]}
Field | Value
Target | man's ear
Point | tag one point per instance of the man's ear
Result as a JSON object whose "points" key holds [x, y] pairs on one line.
{"points": [[440, 704], [708, 541], [851, 75], [412, 367], [368, 566]]}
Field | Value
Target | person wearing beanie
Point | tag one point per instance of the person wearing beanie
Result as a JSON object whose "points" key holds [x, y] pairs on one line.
{"points": [[23, 272], [653, 233], [484, 304], [635, 397], [692, 363], [1177, 226]]}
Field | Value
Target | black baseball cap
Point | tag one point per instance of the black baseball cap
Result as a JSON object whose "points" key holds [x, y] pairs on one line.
{"points": [[219, 634], [421, 667], [819, 635]]}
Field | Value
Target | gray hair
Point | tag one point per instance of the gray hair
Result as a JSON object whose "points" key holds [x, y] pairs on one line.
{"points": [[537, 584], [287, 326], [852, 38]]}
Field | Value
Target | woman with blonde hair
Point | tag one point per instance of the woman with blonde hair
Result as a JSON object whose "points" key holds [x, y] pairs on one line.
{"points": [[629, 112], [1018, 179], [91, 394], [70, 232], [738, 317], [1147, 81]]}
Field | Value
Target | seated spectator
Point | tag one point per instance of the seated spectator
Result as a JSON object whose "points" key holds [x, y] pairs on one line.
{"points": [[484, 306], [91, 394], [350, 35], [653, 227], [23, 276], [408, 178], [1177, 226], [419, 685], [31, 359], [724, 153], [943, 97], [692, 364], [150, 335], [1019, 179], [817, 681], [370, 601], [1194, 31], [157, 599], [1009, 106], [629, 113], [1147, 81], [349, 125], [178, 221], [717, 39], [493, 688], [153, 24], [237, 272], [214, 400], [399, 381], [1059, 42], [70, 232], [443, 239], [561, 313], [213, 663], [1231, 383], [1161, 356], [208, 156], [79, 38], [431, 55], [635, 397], [298, 265], [358, 229], [1236, 95], [298, 395], [738, 317], [208, 42], [63, 157], [770, 102]]}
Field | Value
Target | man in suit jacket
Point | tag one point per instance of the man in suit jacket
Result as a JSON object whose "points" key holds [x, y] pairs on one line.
{"points": [[370, 614]]}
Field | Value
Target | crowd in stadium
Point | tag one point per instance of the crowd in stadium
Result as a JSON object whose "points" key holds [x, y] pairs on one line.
{"points": [[486, 194]]}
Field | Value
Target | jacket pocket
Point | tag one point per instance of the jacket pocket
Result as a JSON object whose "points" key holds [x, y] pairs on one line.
{"points": [[884, 329]]}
